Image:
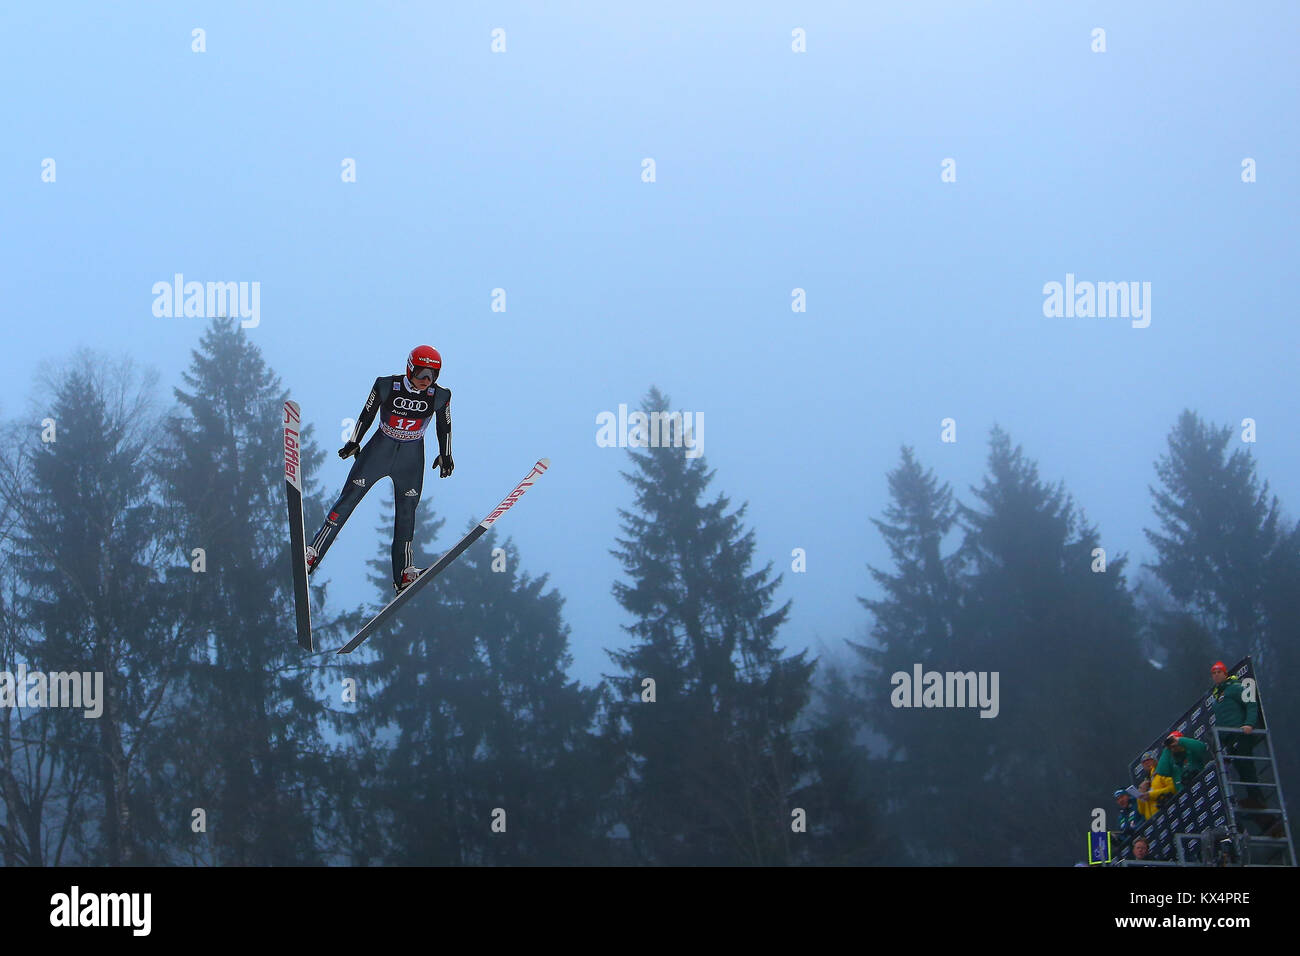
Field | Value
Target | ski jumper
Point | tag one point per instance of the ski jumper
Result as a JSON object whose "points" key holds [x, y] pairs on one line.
{"points": [[395, 451]]}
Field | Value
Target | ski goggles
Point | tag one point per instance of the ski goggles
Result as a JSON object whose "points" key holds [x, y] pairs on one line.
{"points": [[420, 374]]}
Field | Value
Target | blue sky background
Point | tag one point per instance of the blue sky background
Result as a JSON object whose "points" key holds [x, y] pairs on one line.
{"points": [[775, 170]]}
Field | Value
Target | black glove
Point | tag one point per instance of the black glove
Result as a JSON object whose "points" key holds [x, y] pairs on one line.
{"points": [[350, 449], [445, 462]]}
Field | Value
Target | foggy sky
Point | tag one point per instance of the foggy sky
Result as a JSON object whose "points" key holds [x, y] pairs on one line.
{"points": [[775, 170]]}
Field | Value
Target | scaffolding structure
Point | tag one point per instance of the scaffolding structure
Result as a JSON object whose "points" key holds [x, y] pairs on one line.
{"points": [[1219, 818]]}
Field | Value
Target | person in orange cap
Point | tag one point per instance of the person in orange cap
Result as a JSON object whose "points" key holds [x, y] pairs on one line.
{"points": [[1238, 717]]}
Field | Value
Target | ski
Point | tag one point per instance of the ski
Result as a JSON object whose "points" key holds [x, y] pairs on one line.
{"points": [[431, 572], [297, 535]]}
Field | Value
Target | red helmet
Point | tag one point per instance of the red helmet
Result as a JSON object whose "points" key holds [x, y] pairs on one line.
{"points": [[1219, 666], [423, 359]]}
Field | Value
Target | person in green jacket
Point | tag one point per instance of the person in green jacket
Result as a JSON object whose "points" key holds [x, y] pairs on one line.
{"points": [[1183, 758], [1238, 717]]}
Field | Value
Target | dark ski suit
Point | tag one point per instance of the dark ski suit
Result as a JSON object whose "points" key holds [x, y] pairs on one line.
{"points": [[395, 451]]}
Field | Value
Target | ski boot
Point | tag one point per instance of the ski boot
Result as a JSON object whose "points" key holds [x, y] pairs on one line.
{"points": [[408, 578]]}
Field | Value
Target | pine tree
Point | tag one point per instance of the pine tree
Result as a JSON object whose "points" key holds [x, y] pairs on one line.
{"points": [[1065, 638], [467, 697], [916, 622], [87, 548], [39, 798], [1232, 564], [1218, 527], [249, 749], [715, 760], [1280, 666], [845, 792]]}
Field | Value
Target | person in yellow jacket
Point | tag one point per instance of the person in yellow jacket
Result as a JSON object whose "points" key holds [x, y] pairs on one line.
{"points": [[1153, 789]]}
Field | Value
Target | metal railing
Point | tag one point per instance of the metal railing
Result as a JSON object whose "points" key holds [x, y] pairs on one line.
{"points": [[1259, 827]]}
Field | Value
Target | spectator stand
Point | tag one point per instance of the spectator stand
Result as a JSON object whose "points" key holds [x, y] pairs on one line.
{"points": [[1205, 824]]}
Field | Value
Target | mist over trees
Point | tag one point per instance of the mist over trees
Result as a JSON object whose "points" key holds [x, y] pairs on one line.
{"points": [[715, 763], [147, 545]]}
